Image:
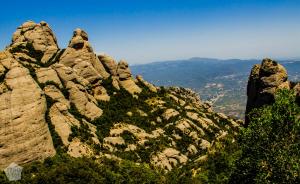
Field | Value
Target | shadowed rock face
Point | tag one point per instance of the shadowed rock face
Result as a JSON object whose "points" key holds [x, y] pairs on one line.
{"points": [[264, 80], [109, 63], [88, 105]]}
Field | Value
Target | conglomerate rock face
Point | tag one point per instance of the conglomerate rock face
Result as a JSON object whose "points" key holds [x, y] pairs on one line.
{"points": [[38, 36], [24, 133], [79, 55], [71, 100], [125, 78]]}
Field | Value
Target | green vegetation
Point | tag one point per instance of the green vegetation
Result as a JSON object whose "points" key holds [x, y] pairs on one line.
{"points": [[220, 162], [74, 111], [270, 145], [65, 169], [128, 137], [266, 152], [184, 142], [83, 132], [107, 83], [116, 109], [152, 146]]}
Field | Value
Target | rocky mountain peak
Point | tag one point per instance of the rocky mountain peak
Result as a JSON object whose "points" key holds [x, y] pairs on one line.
{"points": [[269, 67], [79, 54], [35, 42], [81, 33], [79, 39]]}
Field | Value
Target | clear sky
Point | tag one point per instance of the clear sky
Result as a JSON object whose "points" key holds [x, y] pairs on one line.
{"points": [[143, 31]]}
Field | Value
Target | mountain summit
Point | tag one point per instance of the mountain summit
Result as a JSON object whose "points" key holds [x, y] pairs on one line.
{"points": [[56, 101]]}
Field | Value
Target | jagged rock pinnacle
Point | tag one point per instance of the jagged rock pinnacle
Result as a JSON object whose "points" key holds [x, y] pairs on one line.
{"points": [[34, 41], [78, 40], [82, 33], [79, 54]]}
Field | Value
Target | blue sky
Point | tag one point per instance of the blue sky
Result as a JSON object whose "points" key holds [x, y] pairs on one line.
{"points": [[143, 31]]}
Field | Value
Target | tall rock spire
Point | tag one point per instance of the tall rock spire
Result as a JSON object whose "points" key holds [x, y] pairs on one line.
{"points": [[264, 80], [79, 55]]}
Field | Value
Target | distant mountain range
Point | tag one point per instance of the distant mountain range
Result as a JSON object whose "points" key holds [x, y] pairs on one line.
{"points": [[223, 82]]}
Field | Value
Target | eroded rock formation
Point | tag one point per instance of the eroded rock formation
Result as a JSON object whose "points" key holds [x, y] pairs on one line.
{"points": [[38, 37], [86, 105]]}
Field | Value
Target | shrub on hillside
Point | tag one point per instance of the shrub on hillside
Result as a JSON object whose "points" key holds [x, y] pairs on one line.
{"points": [[271, 144], [65, 169]]}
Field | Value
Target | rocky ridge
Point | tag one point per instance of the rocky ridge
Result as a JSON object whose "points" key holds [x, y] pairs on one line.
{"points": [[71, 100]]}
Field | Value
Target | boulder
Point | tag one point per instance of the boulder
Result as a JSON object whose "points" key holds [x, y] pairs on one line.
{"points": [[115, 82], [2, 71], [130, 86], [87, 71], [41, 85], [7, 60], [63, 122]]}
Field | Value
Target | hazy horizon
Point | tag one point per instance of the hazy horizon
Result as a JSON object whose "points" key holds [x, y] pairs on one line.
{"points": [[296, 59], [144, 31]]}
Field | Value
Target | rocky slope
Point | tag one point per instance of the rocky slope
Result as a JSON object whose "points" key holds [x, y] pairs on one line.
{"points": [[70, 100]]}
